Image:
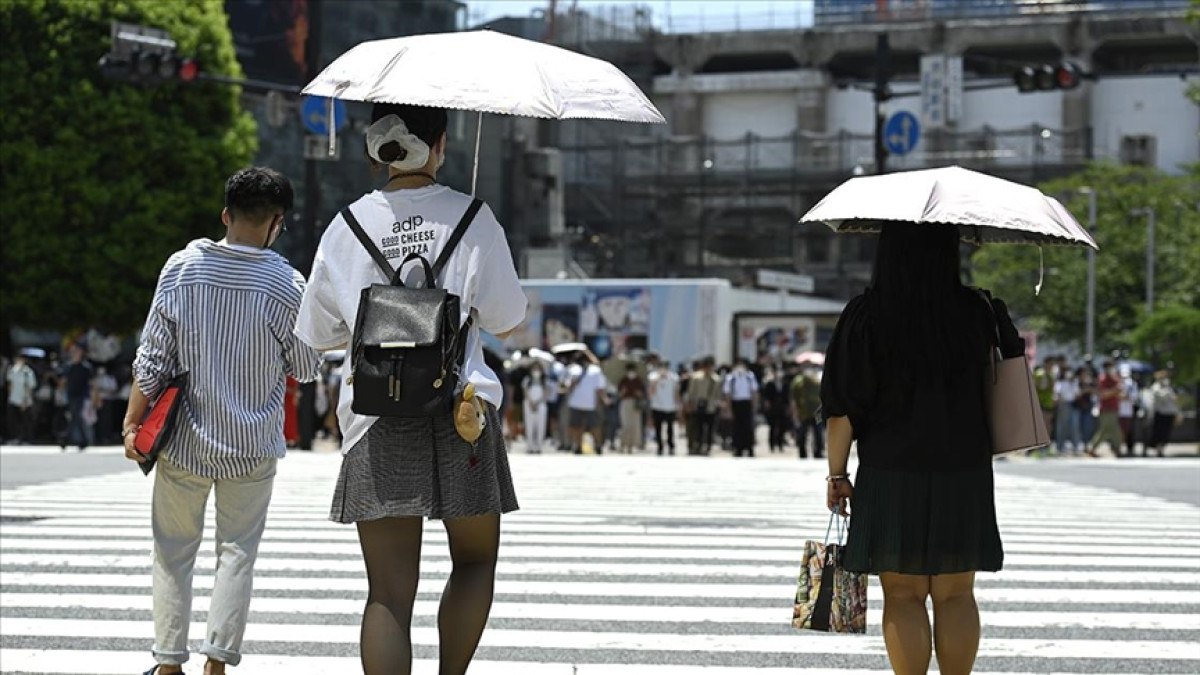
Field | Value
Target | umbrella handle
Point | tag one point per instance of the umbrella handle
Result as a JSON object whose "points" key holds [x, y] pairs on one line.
{"points": [[1037, 290], [475, 169]]}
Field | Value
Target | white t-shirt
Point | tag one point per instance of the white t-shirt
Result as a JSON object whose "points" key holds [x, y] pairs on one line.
{"points": [[590, 382], [740, 385], [21, 383], [400, 222], [664, 385], [1129, 394], [1066, 391], [535, 392]]}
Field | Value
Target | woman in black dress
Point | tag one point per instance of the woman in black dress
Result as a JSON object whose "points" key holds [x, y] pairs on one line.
{"points": [[904, 376]]}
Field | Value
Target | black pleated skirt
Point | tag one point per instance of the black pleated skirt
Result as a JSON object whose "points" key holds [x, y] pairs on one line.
{"points": [[923, 522]]}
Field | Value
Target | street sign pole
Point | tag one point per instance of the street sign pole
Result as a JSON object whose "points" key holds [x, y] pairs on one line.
{"points": [[312, 185], [883, 55]]}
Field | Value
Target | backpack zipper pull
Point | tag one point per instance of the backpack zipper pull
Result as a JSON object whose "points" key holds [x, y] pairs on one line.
{"points": [[394, 381]]}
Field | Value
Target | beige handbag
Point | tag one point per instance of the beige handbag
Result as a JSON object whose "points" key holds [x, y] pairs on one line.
{"points": [[1014, 414]]}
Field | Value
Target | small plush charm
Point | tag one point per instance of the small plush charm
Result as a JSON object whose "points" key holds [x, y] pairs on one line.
{"points": [[469, 419]]}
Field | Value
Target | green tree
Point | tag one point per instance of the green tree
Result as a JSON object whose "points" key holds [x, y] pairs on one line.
{"points": [[1059, 312], [1172, 334], [100, 181]]}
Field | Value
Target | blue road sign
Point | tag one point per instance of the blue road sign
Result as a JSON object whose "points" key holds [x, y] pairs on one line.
{"points": [[314, 112], [901, 133]]}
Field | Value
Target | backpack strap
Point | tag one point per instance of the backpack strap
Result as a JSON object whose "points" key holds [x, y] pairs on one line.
{"points": [[456, 236], [363, 239]]}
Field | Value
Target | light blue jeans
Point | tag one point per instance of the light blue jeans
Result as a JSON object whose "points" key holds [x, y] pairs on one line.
{"points": [[1069, 432], [178, 522]]}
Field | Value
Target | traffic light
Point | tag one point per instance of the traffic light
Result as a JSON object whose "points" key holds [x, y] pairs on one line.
{"points": [[145, 56], [1047, 77]]}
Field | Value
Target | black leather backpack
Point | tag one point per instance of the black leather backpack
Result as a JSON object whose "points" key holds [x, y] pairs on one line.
{"points": [[408, 345]]}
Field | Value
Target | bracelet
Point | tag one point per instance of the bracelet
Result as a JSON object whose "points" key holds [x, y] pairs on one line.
{"points": [[130, 430], [837, 476]]}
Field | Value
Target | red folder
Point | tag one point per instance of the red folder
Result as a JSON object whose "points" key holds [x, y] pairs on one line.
{"points": [[159, 422]]}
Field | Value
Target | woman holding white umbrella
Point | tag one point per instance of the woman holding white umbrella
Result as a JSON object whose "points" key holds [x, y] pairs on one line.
{"points": [[392, 474], [904, 375], [397, 471]]}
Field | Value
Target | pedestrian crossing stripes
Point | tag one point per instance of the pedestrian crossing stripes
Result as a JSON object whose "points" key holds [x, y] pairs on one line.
{"points": [[615, 564]]}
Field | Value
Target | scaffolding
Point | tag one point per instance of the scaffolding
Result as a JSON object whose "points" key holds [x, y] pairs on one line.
{"points": [[671, 206]]}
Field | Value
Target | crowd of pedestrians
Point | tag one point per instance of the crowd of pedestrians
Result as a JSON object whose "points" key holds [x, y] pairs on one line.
{"points": [[1116, 407], [571, 405], [75, 403]]}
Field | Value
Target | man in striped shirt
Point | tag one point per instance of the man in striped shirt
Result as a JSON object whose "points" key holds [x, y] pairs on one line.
{"points": [[223, 313]]}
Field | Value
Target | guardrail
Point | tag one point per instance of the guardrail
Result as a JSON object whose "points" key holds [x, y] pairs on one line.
{"points": [[827, 12], [805, 153]]}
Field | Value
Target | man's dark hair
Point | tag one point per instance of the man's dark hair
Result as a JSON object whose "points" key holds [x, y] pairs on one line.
{"points": [[257, 192], [427, 124], [1108, 363]]}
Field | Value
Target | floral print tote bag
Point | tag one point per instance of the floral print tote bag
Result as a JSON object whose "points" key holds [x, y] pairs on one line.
{"points": [[828, 598]]}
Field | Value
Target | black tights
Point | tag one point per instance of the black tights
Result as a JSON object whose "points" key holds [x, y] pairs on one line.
{"points": [[392, 551]]}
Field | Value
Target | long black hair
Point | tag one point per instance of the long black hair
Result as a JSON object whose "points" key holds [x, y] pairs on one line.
{"points": [[918, 300]]}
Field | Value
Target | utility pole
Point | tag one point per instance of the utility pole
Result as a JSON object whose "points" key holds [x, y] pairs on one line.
{"points": [[1089, 340], [881, 93], [312, 186], [1148, 211]]}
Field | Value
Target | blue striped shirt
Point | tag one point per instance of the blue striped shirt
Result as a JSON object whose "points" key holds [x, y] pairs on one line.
{"points": [[224, 315]]}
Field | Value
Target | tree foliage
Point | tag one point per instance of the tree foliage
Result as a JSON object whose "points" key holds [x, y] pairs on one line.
{"points": [[1172, 334], [100, 181], [1059, 312]]}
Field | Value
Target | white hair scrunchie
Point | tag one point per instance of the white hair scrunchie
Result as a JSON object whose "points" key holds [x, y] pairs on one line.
{"points": [[390, 128]]}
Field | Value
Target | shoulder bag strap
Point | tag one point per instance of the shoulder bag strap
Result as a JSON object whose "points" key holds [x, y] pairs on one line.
{"points": [[991, 312], [376, 254], [456, 237]]}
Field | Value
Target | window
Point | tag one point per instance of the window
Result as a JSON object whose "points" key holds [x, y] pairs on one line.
{"points": [[1139, 150]]}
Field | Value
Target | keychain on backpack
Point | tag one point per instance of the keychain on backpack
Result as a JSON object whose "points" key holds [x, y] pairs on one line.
{"points": [[469, 418]]}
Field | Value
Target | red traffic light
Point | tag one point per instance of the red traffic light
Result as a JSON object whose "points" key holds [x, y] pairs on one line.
{"points": [[1067, 76], [189, 70], [1047, 77]]}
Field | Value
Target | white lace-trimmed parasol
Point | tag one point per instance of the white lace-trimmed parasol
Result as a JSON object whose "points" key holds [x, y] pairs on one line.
{"points": [[484, 71]]}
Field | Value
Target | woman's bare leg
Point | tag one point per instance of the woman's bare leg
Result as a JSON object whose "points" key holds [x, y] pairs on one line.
{"points": [[467, 600], [392, 550], [906, 623], [955, 622]]}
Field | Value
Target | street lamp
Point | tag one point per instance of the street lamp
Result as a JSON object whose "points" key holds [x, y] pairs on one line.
{"points": [[1089, 340], [1148, 211]]}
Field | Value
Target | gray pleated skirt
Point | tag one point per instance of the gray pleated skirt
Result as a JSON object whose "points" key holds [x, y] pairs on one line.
{"points": [[421, 467]]}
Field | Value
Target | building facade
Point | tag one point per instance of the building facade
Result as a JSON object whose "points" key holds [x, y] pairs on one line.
{"points": [[763, 123], [281, 45]]}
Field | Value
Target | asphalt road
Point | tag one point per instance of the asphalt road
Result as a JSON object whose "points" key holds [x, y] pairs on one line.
{"points": [[1175, 477]]}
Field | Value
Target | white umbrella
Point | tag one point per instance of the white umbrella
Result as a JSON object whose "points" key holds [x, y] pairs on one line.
{"points": [[568, 347], [484, 71], [540, 355], [987, 209], [815, 358]]}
